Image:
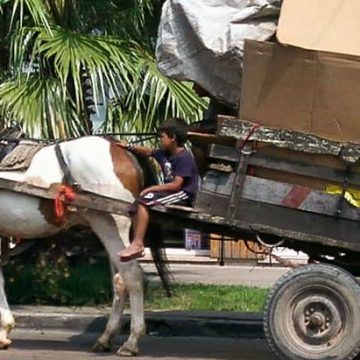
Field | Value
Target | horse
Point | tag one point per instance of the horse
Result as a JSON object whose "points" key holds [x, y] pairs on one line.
{"points": [[102, 167]]}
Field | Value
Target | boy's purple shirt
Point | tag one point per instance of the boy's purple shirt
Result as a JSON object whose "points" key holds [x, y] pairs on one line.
{"points": [[183, 165]]}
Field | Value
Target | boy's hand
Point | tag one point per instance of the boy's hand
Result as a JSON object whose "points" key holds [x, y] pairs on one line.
{"points": [[148, 190], [122, 144], [126, 145]]}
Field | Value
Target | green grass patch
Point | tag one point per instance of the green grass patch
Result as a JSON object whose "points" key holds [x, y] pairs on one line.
{"points": [[38, 280], [198, 297]]}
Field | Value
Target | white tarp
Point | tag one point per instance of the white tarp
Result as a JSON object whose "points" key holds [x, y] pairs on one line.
{"points": [[203, 40]]}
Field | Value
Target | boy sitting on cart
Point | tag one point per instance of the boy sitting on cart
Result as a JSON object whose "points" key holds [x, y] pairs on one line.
{"points": [[180, 180]]}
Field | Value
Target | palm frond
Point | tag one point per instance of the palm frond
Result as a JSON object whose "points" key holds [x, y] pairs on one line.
{"points": [[104, 59], [2, 2], [154, 97], [50, 66], [123, 18], [34, 7], [38, 105]]}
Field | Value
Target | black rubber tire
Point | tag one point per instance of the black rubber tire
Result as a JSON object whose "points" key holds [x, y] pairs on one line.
{"points": [[313, 313]]}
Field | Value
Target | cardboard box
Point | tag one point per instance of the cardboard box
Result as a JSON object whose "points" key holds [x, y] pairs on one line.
{"points": [[308, 91], [327, 25]]}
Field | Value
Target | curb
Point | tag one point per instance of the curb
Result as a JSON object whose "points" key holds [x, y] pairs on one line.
{"points": [[174, 323]]}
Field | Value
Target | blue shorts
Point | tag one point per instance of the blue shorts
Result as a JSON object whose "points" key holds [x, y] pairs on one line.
{"points": [[161, 198], [164, 198]]}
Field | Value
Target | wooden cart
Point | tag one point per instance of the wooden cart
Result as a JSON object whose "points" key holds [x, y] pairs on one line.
{"points": [[279, 187], [251, 191]]}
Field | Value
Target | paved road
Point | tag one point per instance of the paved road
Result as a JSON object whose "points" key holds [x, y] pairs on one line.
{"points": [[63, 346], [255, 276]]}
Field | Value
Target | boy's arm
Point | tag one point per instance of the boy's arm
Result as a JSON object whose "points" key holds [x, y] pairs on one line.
{"points": [[173, 186], [137, 149]]}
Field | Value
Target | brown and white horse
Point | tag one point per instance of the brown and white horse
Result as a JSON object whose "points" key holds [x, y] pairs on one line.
{"points": [[100, 166]]}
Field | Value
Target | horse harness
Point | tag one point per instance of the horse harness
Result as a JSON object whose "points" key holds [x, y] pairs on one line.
{"points": [[68, 178]]}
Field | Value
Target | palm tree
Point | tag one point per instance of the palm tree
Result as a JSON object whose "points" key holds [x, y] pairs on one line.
{"points": [[63, 60]]}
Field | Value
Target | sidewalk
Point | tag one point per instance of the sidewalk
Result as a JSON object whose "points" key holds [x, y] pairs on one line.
{"points": [[253, 276]]}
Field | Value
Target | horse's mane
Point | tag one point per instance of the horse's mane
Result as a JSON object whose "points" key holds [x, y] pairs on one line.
{"points": [[149, 172]]}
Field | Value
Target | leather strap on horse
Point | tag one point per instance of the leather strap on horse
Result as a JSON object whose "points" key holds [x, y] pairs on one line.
{"points": [[69, 180], [67, 191]]}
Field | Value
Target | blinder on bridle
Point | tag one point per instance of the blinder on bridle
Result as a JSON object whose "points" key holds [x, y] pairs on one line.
{"points": [[9, 139]]}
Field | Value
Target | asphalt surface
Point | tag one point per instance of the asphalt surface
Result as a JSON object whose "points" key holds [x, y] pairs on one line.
{"points": [[35, 345], [161, 323]]}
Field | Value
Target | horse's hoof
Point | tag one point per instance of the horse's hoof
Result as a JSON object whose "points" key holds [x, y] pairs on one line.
{"points": [[4, 344], [124, 351], [100, 348]]}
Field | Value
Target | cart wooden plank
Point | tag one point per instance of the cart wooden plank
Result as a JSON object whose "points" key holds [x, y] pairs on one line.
{"points": [[240, 129], [289, 224], [83, 199], [297, 197], [230, 154], [215, 199]]}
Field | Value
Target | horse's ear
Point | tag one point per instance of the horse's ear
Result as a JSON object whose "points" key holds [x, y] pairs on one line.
{"points": [[13, 132]]}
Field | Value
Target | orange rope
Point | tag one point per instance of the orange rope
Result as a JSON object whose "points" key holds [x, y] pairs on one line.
{"points": [[66, 193]]}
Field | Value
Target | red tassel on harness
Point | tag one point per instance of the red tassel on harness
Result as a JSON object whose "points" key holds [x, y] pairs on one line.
{"points": [[66, 193]]}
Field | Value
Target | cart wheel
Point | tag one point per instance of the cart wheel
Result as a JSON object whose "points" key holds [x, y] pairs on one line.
{"points": [[313, 312]]}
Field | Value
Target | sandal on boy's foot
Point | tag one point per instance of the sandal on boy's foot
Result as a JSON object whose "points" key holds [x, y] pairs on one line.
{"points": [[127, 254], [134, 256]]}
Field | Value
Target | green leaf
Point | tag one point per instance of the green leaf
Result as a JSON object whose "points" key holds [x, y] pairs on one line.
{"points": [[154, 97], [33, 101], [59, 49], [34, 7]]}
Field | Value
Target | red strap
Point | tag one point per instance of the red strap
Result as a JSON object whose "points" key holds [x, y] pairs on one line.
{"points": [[66, 193]]}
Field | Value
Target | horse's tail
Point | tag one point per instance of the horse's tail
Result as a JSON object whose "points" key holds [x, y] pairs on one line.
{"points": [[156, 243]]}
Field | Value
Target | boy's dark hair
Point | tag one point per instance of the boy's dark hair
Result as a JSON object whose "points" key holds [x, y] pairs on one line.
{"points": [[175, 127]]}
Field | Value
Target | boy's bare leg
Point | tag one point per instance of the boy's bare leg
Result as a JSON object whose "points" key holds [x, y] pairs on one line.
{"points": [[136, 248]]}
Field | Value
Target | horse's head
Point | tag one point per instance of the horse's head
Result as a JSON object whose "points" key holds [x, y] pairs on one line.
{"points": [[12, 132], [9, 139]]}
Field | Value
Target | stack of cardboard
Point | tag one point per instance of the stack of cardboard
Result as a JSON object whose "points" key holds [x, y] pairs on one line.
{"points": [[310, 82], [297, 86]]}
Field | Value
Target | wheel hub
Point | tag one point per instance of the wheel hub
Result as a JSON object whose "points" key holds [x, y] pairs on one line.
{"points": [[317, 320]]}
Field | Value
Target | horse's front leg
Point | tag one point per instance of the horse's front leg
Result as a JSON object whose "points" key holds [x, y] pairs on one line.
{"points": [[129, 280], [113, 232], [114, 323], [7, 322], [133, 279]]}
